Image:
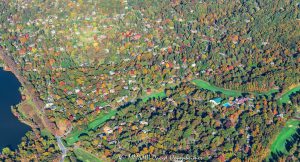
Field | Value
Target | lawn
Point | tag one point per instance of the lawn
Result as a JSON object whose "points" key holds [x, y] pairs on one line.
{"points": [[74, 136], [270, 92], [46, 133], [154, 95], [102, 118], [85, 156], [290, 128], [285, 134], [205, 85], [230, 93], [285, 98]]}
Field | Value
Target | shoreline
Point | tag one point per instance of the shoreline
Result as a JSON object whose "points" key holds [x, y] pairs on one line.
{"points": [[14, 108], [12, 120], [29, 90], [17, 115], [31, 94]]}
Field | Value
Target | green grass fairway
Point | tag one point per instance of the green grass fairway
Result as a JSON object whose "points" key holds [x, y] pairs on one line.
{"points": [[270, 92], [154, 95], [285, 98], [85, 156], [230, 93], [205, 85], [74, 136], [290, 127], [285, 134], [102, 118]]}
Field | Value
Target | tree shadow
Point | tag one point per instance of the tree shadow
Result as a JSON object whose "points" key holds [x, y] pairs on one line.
{"points": [[275, 156]]}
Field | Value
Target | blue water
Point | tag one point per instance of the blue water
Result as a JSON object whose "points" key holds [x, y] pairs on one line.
{"points": [[11, 129]]}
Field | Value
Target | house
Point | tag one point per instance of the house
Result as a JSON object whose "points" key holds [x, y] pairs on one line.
{"points": [[107, 130], [48, 105], [216, 101], [111, 72], [137, 36], [149, 91], [229, 67], [241, 100], [143, 122], [222, 158], [97, 109], [71, 117], [280, 115], [132, 72]]}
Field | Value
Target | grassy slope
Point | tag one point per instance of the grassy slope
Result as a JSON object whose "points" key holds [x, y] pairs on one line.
{"points": [[85, 156], [154, 95], [285, 134], [285, 98], [270, 92], [102, 118], [230, 93], [208, 86], [289, 129], [74, 136]]}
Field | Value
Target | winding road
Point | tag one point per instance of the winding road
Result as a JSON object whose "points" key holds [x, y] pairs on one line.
{"points": [[62, 147]]}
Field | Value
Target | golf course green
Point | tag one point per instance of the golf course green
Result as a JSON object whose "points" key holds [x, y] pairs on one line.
{"points": [[285, 98], [290, 128]]}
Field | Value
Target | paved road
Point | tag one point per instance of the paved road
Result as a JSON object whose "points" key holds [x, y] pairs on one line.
{"points": [[63, 149]]}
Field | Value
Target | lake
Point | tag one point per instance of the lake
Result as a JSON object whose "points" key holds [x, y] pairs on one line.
{"points": [[11, 129]]}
